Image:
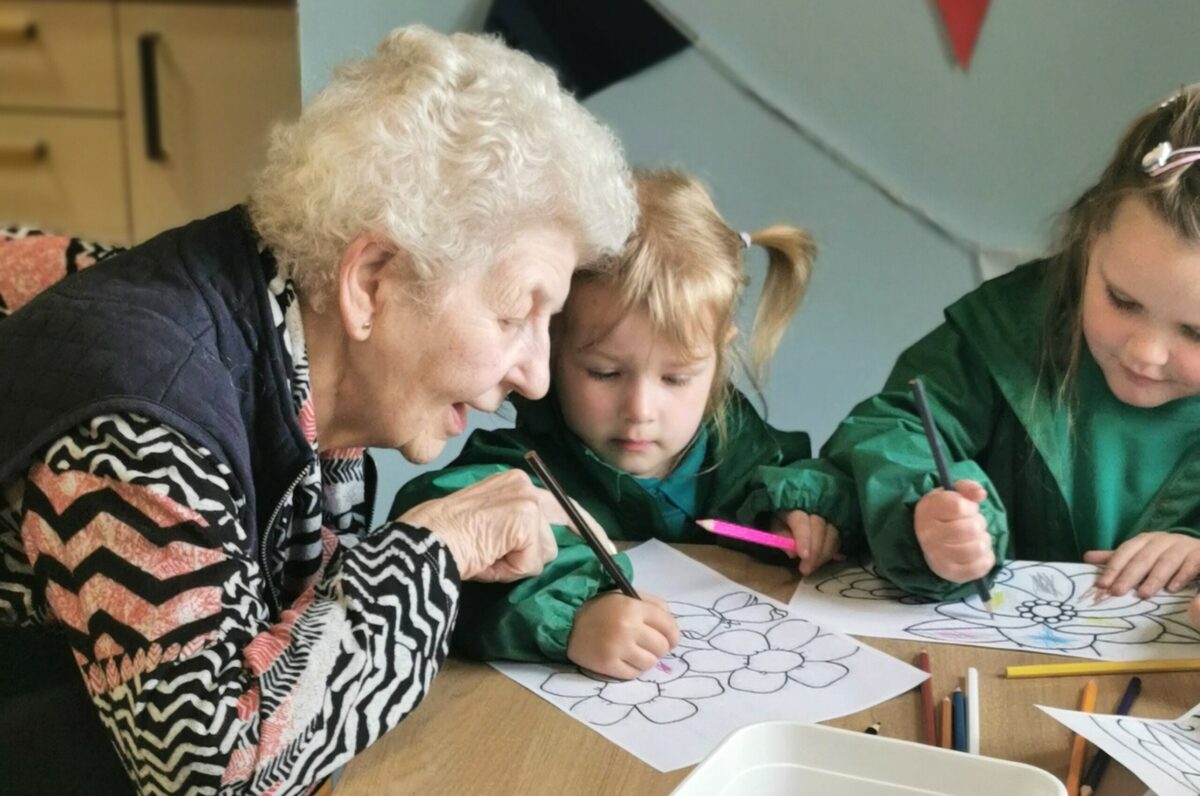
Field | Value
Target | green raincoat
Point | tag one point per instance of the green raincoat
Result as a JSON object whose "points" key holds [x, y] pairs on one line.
{"points": [[531, 619], [1059, 482]]}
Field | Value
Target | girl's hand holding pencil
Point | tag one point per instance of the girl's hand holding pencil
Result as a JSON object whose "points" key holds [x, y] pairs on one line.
{"points": [[621, 637], [816, 540], [953, 534]]}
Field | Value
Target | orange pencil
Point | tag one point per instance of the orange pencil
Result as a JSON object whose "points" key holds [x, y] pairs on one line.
{"points": [[931, 737], [947, 723], [1087, 703]]}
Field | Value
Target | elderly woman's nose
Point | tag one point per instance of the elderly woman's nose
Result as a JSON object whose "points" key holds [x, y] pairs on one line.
{"points": [[530, 376]]}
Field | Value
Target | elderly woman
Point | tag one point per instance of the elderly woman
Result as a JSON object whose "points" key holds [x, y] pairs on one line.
{"points": [[184, 498]]}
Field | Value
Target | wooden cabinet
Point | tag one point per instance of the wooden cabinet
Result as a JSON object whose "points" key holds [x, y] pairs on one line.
{"points": [[119, 119]]}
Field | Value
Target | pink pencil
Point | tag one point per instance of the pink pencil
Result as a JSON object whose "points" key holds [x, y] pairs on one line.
{"points": [[734, 531]]}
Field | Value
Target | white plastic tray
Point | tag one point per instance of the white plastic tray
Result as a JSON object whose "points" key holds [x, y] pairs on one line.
{"points": [[790, 757]]}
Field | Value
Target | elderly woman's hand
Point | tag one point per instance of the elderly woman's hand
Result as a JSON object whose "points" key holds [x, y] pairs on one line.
{"points": [[497, 529]]}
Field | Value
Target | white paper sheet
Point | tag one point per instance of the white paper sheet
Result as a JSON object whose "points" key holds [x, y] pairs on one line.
{"points": [[1162, 753], [743, 659], [1039, 607]]}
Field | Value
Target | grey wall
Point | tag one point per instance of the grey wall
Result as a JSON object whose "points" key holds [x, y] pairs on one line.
{"points": [[991, 155]]}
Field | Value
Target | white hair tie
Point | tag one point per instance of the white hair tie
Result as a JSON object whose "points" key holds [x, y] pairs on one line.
{"points": [[745, 236], [1164, 158]]}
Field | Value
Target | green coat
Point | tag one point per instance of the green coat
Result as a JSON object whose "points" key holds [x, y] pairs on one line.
{"points": [[531, 620], [980, 369]]}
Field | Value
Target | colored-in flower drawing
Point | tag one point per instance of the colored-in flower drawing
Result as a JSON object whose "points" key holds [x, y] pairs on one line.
{"points": [[764, 662], [698, 622], [1039, 606], [662, 695], [864, 583]]}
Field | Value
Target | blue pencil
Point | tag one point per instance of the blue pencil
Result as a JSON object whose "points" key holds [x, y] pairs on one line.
{"points": [[958, 708], [1091, 780]]}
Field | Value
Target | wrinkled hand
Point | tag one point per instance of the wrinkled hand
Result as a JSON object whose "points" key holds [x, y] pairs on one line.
{"points": [[816, 540], [953, 534], [1150, 561], [621, 636], [497, 529]]}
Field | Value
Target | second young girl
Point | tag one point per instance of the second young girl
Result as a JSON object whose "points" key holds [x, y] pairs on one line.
{"points": [[1068, 392], [644, 429]]}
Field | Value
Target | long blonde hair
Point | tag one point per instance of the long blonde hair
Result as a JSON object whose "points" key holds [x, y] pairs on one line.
{"points": [[1173, 195], [684, 267]]}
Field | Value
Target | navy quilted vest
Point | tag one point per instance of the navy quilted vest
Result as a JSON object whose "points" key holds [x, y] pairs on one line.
{"points": [[179, 329]]}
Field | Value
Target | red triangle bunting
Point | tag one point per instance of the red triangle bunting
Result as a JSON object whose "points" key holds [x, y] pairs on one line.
{"points": [[963, 19]]}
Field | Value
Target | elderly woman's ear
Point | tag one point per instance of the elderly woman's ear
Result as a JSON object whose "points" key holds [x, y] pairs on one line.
{"points": [[366, 271]]}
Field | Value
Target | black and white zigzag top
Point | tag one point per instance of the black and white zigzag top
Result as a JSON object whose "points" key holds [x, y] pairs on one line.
{"points": [[126, 534]]}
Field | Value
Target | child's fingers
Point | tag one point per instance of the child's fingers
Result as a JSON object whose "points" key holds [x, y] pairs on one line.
{"points": [[1194, 611], [946, 506], [653, 642], [1135, 568], [1187, 571], [830, 547], [1169, 560], [658, 617], [801, 526], [1119, 559], [1098, 557], [810, 551], [638, 660], [971, 490]]}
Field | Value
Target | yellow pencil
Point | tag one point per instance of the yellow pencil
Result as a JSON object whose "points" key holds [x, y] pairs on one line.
{"points": [[1087, 703], [1102, 667]]}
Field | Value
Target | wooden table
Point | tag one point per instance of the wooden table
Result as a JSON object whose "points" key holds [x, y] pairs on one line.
{"points": [[479, 732]]}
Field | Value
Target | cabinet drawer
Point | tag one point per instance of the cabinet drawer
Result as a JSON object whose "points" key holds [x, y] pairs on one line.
{"points": [[68, 62], [64, 174]]}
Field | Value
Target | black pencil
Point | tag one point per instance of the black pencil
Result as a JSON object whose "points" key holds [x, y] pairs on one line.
{"points": [[585, 530], [939, 458]]}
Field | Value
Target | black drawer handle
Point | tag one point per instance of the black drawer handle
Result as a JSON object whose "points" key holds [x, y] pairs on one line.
{"points": [[148, 60], [23, 154], [17, 32]]}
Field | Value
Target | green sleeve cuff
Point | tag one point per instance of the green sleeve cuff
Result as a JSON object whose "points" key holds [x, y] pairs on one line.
{"points": [[814, 486], [898, 556], [531, 620]]}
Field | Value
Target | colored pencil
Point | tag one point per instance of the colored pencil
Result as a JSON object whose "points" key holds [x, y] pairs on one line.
{"points": [[947, 723], [939, 459], [585, 530], [959, 711], [1087, 703], [973, 710], [752, 535], [931, 737], [1102, 667], [1095, 772]]}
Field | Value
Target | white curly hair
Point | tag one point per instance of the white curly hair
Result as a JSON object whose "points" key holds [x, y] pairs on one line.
{"points": [[448, 145]]}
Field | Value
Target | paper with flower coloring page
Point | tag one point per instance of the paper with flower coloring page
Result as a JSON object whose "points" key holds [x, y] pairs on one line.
{"points": [[1038, 607], [743, 659], [1162, 753]]}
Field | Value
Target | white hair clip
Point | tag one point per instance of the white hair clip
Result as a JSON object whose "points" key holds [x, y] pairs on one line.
{"points": [[745, 236], [1164, 158]]}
